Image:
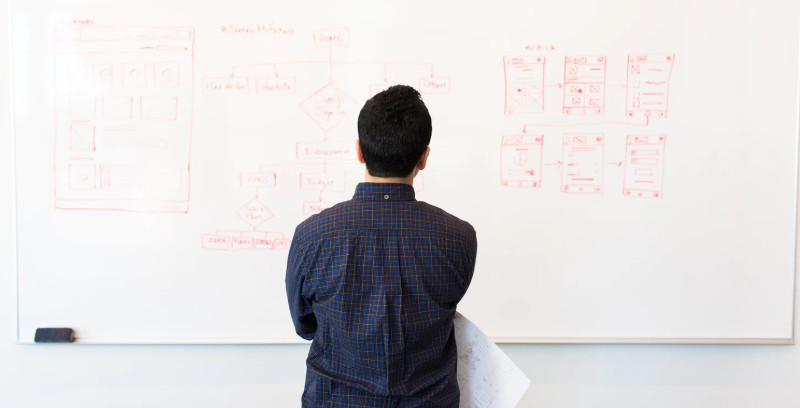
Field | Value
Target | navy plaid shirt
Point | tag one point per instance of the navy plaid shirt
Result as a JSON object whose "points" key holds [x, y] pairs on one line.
{"points": [[374, 282]]}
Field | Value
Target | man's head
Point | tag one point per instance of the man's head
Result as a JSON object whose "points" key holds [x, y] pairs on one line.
{"points": [[394, 130]]}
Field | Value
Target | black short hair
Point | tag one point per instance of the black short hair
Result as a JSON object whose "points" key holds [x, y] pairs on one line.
{"points": [[394, 129]]}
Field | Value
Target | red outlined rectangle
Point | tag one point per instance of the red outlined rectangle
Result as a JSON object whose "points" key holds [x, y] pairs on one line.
{"points": [[80, 74], [171, 48], [334, 182], [644, 176], [117, 107], [326, 150], [225, 86], [134, 75], [82, 137], [82, 176], [98, 33], [103, 75], [258, 180], [521, 161], [275, 86], [134, 177], [239, 243], [166, 74], [524, 89], [647, 161], [156, 107], [82, 106], [282, 243], [648, 84], [584, 85], [216, 242], [434, 85], [582, 163], [263, 243], [332, 37]]}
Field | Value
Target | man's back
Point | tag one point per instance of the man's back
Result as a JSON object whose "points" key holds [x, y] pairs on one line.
{"points": [[374, 281]]}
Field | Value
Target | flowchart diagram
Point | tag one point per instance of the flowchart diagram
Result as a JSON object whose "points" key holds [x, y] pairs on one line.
{"points": [[125, 100], [317, 167], [585, 91]]}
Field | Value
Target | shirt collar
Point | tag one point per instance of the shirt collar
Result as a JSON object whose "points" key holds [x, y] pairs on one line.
{"points": [[384, 192]]}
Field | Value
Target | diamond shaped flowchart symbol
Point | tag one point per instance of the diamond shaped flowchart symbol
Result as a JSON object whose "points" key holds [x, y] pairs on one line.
{"points": [[328, 106], [254, 213]]}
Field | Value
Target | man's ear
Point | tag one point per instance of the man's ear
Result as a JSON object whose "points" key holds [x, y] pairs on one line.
{"points": [[358, 152], [423, 160]]}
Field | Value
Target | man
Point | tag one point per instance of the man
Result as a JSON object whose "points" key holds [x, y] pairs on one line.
{"points": [[374, 281]]}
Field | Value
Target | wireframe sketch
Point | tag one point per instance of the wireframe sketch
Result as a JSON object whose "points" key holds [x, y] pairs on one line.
{"points": [[648, 84], [521, 161], [582, 169], [584, 85], [524, 78], [644, 166], [124, 102]]}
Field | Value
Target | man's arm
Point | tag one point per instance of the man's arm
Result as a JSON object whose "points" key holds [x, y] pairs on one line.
{"points": [[470, 253], [305, 323]]}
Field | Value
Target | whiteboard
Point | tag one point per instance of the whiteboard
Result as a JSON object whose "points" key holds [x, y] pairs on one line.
{"points": [[630, 167]]}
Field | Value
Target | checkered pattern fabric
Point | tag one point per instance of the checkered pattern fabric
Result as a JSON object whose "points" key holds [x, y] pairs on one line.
{"points": [[374, 283]]}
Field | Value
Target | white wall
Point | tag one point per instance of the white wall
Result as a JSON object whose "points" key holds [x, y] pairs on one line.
{"points": [[258, 376]]}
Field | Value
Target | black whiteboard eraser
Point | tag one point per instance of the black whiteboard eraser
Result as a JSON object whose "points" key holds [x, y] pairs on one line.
{"points": [[54, 335]]}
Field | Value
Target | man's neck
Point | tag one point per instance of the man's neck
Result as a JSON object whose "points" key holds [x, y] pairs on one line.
{"points": [[409, 179]]}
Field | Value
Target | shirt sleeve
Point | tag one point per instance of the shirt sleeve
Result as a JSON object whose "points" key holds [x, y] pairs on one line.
{"points": [[470, 253], [300, 306]]}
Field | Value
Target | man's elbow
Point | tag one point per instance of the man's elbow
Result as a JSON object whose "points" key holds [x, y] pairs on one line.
{"points": [[306, 335], [306, 327]]}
